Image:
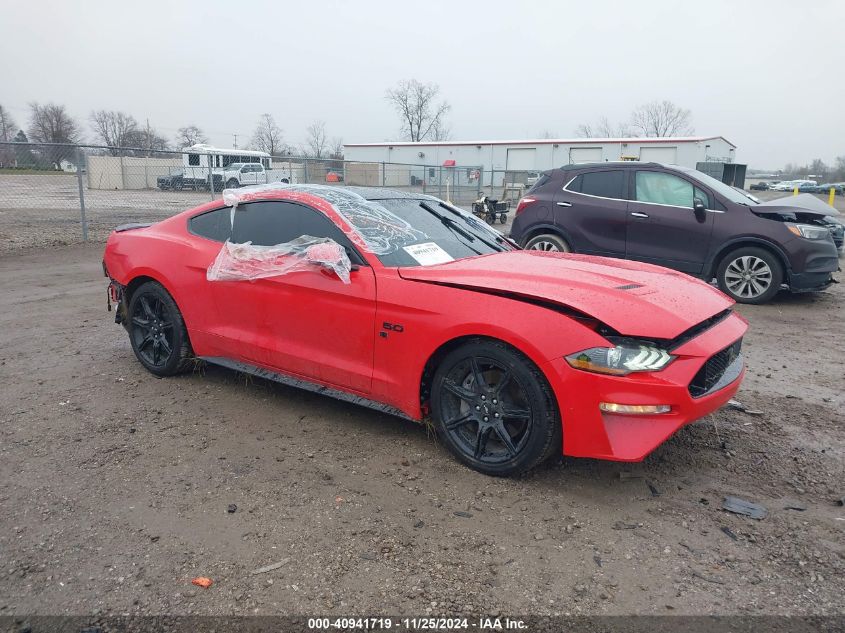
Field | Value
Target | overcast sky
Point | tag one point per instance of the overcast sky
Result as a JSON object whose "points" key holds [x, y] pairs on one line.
{"points": [[766, 75]]}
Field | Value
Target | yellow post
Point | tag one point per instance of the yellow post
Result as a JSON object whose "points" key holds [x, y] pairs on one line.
{"points": [[830, 196], [795, 191]]}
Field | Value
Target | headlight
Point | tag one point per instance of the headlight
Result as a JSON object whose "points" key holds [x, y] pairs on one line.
{"points": [[809, 231], [620, 360]]}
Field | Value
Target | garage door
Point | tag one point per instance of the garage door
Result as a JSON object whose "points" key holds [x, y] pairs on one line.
{"points": [[667, 155], [521, 159], [585, 155]]}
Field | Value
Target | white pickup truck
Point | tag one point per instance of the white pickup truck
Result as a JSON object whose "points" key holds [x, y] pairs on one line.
{"points": [[245, 174]]}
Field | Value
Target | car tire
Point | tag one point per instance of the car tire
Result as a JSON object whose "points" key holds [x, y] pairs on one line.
{"points": [[157, 331], [548, 242], [232, 183], [507, 426], [750, 275]]}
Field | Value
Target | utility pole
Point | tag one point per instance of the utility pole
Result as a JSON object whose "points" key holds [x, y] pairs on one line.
{"points": [[235, 143]]}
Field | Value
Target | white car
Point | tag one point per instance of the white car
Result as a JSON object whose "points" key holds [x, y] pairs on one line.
{"points": [[245, 174]]}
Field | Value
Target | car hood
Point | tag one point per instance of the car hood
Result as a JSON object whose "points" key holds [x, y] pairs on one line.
{"points": [[633, 298], [804, 203]]}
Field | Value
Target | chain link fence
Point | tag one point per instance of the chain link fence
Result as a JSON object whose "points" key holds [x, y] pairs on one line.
{"points": [[60, 194]]}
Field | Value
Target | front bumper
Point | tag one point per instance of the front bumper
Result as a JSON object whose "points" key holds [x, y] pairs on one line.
{"points": [[589, 432]]}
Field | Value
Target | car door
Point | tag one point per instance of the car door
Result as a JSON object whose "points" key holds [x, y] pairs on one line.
{"points": [[663, 228], [590, 211], [307, 323]]}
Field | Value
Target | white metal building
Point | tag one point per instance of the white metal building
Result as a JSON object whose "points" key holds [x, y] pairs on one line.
{"points": [[541, 154]]}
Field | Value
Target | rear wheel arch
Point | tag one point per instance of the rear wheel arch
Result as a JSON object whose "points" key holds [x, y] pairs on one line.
{"points": [[542, 229]]}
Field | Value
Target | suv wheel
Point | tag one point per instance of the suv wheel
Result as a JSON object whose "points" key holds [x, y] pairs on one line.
{"points": [[750, 275], [548, 242]]}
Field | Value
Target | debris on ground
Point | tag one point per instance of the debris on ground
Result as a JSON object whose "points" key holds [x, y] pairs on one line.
{"points": [[461, 513], [271, 567], [729, 532], [231, 508], [654, 491], [792, 504], [621, 525], [627, 474], [745, 508], [203, 582], [706, 578]]}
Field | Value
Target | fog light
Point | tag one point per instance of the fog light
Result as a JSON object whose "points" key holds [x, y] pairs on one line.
{"points": [[634, 409]]}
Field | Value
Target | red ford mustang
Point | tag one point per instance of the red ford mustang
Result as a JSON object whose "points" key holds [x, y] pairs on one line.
{"points": [[406, 304]]}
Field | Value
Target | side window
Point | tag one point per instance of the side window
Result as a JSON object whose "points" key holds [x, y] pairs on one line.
{"points": [[193, 159], [270, 223], [661, 188], [215, 225], [604, 184]]}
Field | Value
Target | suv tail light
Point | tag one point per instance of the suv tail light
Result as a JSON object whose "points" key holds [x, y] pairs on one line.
{"points": [[523, 203]]}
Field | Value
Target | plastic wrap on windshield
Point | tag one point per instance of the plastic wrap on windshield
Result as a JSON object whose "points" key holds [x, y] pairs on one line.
{"points": [[245, 262], [376, 229]]}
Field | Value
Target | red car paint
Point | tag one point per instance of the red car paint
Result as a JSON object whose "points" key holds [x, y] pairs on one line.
{"points": [[335, 333]]}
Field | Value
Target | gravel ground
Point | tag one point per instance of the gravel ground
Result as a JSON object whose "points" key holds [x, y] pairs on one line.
{"points": [[118, 488]]}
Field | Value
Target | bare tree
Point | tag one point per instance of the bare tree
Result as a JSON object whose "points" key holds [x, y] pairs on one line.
{"points": [[190, 135], [51, 123], [546, 134], [336, 148], [603, 129], [316, 142], [421, 115], [268, 136], [662, 118], [114, 128], [441, 131], [8, 129]]}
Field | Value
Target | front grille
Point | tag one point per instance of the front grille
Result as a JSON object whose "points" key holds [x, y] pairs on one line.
{"points": [[710, 375]]}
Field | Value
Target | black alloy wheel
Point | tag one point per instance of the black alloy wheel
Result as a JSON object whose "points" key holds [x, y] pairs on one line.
{"points": [[157, 332], [494, 409]]}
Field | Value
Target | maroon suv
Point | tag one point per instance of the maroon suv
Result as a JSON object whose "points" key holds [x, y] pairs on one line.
{"points": [[683, 219]]}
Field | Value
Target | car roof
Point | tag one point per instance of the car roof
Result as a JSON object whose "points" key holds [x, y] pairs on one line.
{"points": [[612, 163]]}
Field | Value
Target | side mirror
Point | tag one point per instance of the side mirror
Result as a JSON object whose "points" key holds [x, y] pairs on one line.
{"points": [[698, 206]]}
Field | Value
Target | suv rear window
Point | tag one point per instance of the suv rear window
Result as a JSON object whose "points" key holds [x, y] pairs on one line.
{"points": [[542, 180], [604, 184]]}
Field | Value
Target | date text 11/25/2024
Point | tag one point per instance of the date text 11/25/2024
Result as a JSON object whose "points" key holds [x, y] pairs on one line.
{"points": [[417, 624]]}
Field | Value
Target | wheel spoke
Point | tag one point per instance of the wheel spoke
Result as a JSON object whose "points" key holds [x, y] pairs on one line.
{"points": [[165, 346], [504, 379], [503, 434], [458, 421], [156, 351], [481, 441], [148, 338], [464, 394], [146, 307], [480, 382]]}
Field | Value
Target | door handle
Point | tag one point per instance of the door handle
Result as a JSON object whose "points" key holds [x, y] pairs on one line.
{"points": [[637, 214], [564, 204]]}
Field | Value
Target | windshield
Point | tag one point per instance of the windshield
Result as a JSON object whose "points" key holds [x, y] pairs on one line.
{"points": [[441, 233], [719, 187], [234, 166]]}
